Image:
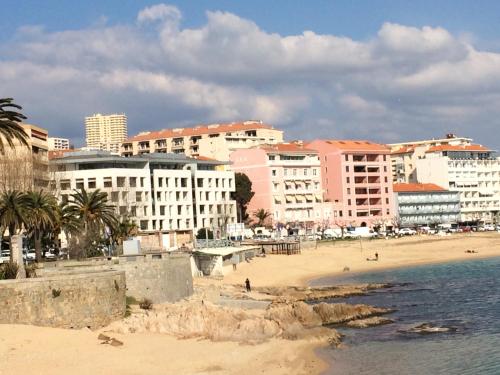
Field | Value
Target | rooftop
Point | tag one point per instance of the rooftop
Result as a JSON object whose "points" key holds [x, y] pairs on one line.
{"points": [[357, 145], [287, 147], [404, 150], [416, 188], [99, 156], [446, 147], [199, 130]]}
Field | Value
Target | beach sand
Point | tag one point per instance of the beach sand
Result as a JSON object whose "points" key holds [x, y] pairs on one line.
{"points": [[37, 350]]}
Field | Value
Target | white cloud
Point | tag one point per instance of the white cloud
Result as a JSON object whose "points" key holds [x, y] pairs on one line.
{"points": [[405, 82]]}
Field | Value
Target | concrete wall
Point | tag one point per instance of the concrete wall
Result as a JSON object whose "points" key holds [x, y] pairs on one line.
{"points": [[92, 299], [162, 277]]}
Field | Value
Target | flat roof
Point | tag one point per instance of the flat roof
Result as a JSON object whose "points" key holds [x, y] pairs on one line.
{"points": [[224, 251]]}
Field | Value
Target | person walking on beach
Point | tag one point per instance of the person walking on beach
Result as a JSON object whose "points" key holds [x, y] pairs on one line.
{"points": [[376, 256], [247, 285]]}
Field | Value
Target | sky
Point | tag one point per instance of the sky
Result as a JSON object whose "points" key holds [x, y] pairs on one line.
{"points": [[382, 70]]}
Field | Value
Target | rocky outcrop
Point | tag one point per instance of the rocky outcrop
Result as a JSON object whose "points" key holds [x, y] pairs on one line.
{"points": [[336, 313], [369, 322], [428, 328]]}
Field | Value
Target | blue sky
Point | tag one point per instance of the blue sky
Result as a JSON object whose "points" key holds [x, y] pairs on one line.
{"points": [[387, 70]]}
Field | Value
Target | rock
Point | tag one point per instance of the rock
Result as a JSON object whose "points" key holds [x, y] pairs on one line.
{"points": [[335, 313], [369, 322], [115, 342], [427, 328], [103, 337]]}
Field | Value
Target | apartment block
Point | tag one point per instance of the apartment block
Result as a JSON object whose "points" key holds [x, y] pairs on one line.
{"points": [[106, 132], [286, 179], [55, 144], [167, 195], [26, 168], [356, 178], [215, 141], [425, 204], [404, 155], [470, 169]]}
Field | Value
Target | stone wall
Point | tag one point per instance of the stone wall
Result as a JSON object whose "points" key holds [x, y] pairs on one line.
{"points": [[161, 277], [89, 299]]}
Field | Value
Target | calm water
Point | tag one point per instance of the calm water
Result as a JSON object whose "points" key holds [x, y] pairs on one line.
{"points": [[464, 295]]}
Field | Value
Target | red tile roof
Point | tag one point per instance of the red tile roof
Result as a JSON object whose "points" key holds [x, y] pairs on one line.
{"points": [[403, 150], [199, 130], [457, 148], [358, 145], [415, 188], [287, 147]]}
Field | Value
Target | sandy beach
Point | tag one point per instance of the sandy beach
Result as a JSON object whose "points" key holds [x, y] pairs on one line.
{"points": [[37, 350]]}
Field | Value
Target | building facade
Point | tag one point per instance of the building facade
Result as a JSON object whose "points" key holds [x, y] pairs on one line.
{"points": [[164, 194], [106, 132], [215, 141], [356, 177], [473, 171], [425, 204], [286, 179], [26, 168], [404, 155], [55, 144]]}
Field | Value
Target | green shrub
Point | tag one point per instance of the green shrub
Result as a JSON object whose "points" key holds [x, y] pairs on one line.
{"points": [[146, 304], [8, 271]]}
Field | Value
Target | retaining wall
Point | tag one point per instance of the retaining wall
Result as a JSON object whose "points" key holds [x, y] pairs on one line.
{"points": [[161, 277], [88, 299]]}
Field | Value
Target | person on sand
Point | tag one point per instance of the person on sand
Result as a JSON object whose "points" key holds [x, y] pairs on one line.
{"points": [[376, 256], [247, 285]]}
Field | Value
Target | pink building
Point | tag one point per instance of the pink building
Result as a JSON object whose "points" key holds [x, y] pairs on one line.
{"points": [[286, 179], [356, 177]]}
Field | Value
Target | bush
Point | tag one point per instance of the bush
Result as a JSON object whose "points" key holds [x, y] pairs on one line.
{"points": [[146, 304], [8, 271], [30, 270], [202, 234]]}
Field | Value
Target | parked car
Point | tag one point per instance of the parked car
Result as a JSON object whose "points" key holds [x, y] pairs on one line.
{"points": [[407, 232], [349, 235], [489, 227], [29, 255], [5, 256]]}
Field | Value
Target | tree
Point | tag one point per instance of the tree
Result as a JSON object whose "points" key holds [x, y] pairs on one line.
{"points": [[243, 194], [12, 214], [203, 233], [122, 230], [40, 216], [10, 129], [261, 215], [95, 214]]}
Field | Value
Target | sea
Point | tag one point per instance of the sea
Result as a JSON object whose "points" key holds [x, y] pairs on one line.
{"points": [[463, 296]]}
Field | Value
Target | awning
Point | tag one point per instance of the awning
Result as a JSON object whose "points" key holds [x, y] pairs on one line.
{"points": [[290, 199], [300, 198], [319, 198], [277, 198], [288, 183], [309, 197]]}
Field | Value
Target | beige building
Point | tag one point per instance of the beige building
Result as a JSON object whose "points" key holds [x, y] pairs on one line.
{"points": [[215, 141], [26, 168], [55, 143], [106, 132], [404, 155]]}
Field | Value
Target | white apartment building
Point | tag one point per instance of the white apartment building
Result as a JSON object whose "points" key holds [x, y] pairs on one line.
{"points": [[470, 169], [106, 132], [215, 141], [57, 143], [404, 155], [168, 196]]}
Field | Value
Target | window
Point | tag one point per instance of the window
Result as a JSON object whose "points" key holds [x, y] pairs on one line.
{"points": [[340, 213], [350, 213], [346, 157], [120, 181], [114, 196], [348, 190], [305, 172], [384, 157], [138, 196], [142, 181], [385, 179], [132, 181], [273, 172], [349, 203], [348, 180], [387, 190], [271, 157], [92, 184], [387, 200], [285, 171], [385, 168], [314, 172], [347, 168], [294, 172], [79, 183]]}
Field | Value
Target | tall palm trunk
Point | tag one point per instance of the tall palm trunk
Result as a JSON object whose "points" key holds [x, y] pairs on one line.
{"points": [[12, 231], [38, 245]]}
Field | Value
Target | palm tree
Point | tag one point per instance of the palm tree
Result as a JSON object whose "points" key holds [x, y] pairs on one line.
{"points": [[93, 210], [122, 230], [261, 215], [9, 124], [67, 222], [12, 213], [41, 216]]}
